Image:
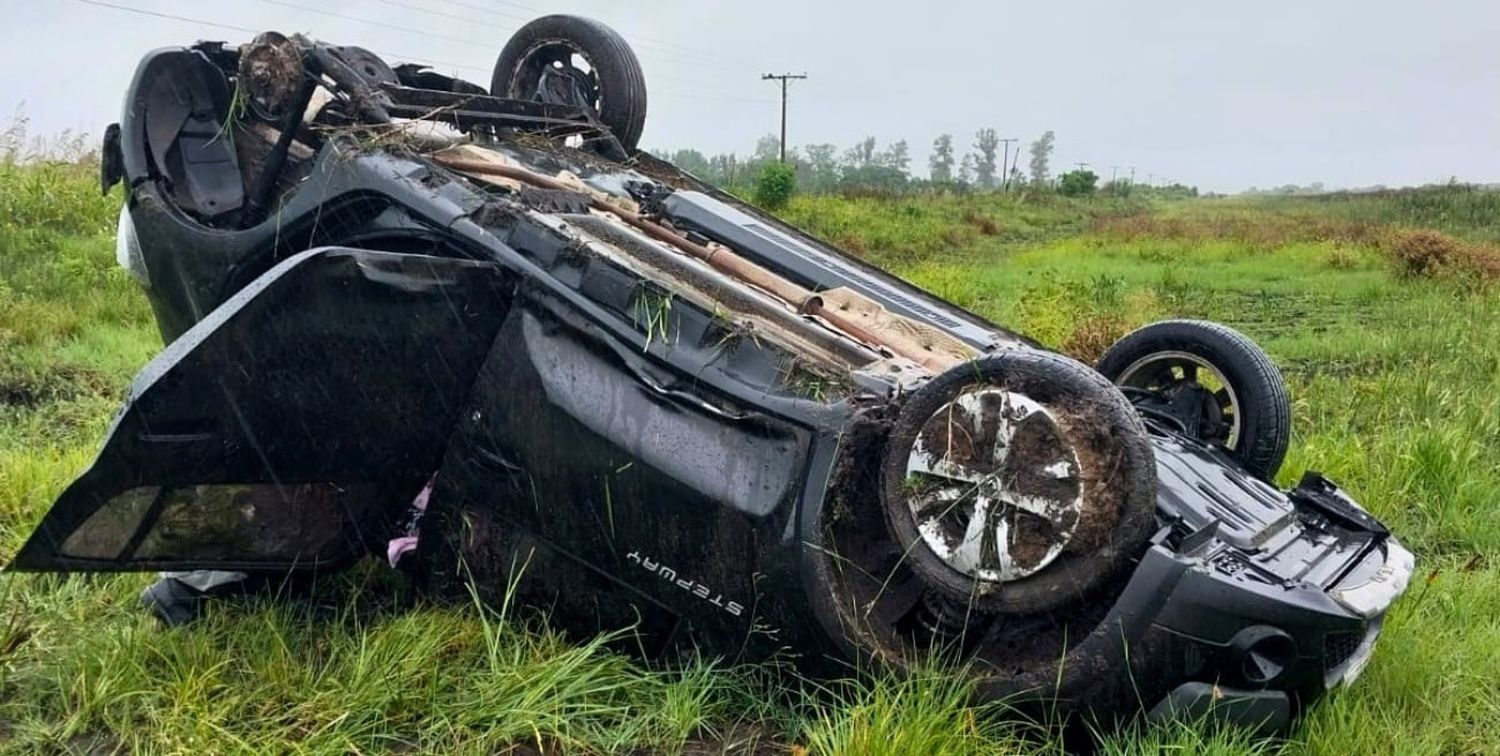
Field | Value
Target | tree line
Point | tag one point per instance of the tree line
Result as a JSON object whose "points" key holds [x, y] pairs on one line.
{"points": [[869, 166]]}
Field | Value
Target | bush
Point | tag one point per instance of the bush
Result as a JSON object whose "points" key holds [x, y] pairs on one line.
{"points": [[1425, 253], [775, 185], [1079, 183]]}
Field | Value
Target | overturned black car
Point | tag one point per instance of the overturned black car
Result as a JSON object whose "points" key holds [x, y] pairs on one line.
{"points": [[476, 331]]}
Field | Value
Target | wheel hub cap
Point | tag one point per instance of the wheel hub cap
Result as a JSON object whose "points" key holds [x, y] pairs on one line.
{"points": [[994, 486]]}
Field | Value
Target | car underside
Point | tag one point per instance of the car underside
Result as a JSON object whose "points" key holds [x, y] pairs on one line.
{"points": [[478, 332]]}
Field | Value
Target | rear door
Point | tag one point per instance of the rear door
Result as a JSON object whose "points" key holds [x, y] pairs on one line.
{"points": [[289, 427]]}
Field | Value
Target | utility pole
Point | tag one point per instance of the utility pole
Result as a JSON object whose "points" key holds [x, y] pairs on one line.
{"points": [[1005, 162], [1114, 171], [786, 80], [1132, 175]]}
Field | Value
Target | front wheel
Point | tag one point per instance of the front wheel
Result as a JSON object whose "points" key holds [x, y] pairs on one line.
{"points": [[997, 513], [1018, 483], [1216, 384]]}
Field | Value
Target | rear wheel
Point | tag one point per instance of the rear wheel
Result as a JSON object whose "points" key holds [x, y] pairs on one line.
{"points": [[568, 60], [1214, 382]]}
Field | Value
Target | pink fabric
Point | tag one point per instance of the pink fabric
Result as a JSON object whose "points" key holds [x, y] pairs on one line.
{"points": [[398, 547], [402, 545]]}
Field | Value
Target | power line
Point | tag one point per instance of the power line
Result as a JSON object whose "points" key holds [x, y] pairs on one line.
{"points": [[381, 24], [508, 30], [231, 27], [386, 54], [786, 80], [472, 6], [398, 27], [432, 12], [686, 49], [169, 16], [658, 47], [712, 98]]}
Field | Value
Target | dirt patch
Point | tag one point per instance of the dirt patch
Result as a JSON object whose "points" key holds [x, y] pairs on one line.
{"points": [[494, 214], [1034, 449], [1033, 539], [1101, 473], [434, 179], [955, 437]]}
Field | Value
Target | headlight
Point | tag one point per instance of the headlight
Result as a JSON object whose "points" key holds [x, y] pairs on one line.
{"points": [[128, 250]]}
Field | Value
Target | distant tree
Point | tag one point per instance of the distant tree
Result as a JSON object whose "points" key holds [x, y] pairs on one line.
{"points": [[774, 185], [861, 154], [966, 169], [691, 161], [897, 156], [874, 176], [1079, 183], [1041, 158], [822, 167], [724, 169], [986, 141], [768, 147], [940, 164]]}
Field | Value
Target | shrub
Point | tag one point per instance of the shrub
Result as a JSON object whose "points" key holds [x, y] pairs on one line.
{"points": [[1422, 254], [1079, 183], [1433, 254], [775, 185]]}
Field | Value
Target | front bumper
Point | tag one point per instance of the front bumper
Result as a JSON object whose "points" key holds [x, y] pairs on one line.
{"points": [[1249, 649]]}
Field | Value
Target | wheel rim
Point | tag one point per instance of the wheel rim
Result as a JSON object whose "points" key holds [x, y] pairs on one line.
{"points": [[994, 487], [557, 72], [1170, 373]]}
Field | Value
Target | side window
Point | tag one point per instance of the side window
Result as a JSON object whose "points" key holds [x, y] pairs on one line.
{"points": [[302, 524]]}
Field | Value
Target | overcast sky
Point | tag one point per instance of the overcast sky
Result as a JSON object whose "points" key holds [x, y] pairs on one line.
{"points": [[1222, 95]]}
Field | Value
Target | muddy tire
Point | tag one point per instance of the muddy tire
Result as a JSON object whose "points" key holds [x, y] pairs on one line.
{"points": [[1018, 483], [1254, 416], [615, 86]]}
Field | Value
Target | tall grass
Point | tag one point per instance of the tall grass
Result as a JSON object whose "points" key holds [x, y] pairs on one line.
{"points": [[1460, 209]]}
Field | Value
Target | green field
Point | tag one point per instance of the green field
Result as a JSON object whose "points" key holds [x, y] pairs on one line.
{"points": [[1389, 337]]}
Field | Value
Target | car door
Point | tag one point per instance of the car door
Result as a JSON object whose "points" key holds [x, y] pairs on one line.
{"points": [[289, 427]]}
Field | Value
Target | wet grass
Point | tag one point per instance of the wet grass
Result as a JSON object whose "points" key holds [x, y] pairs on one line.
{"points": [[1395, 377]]}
